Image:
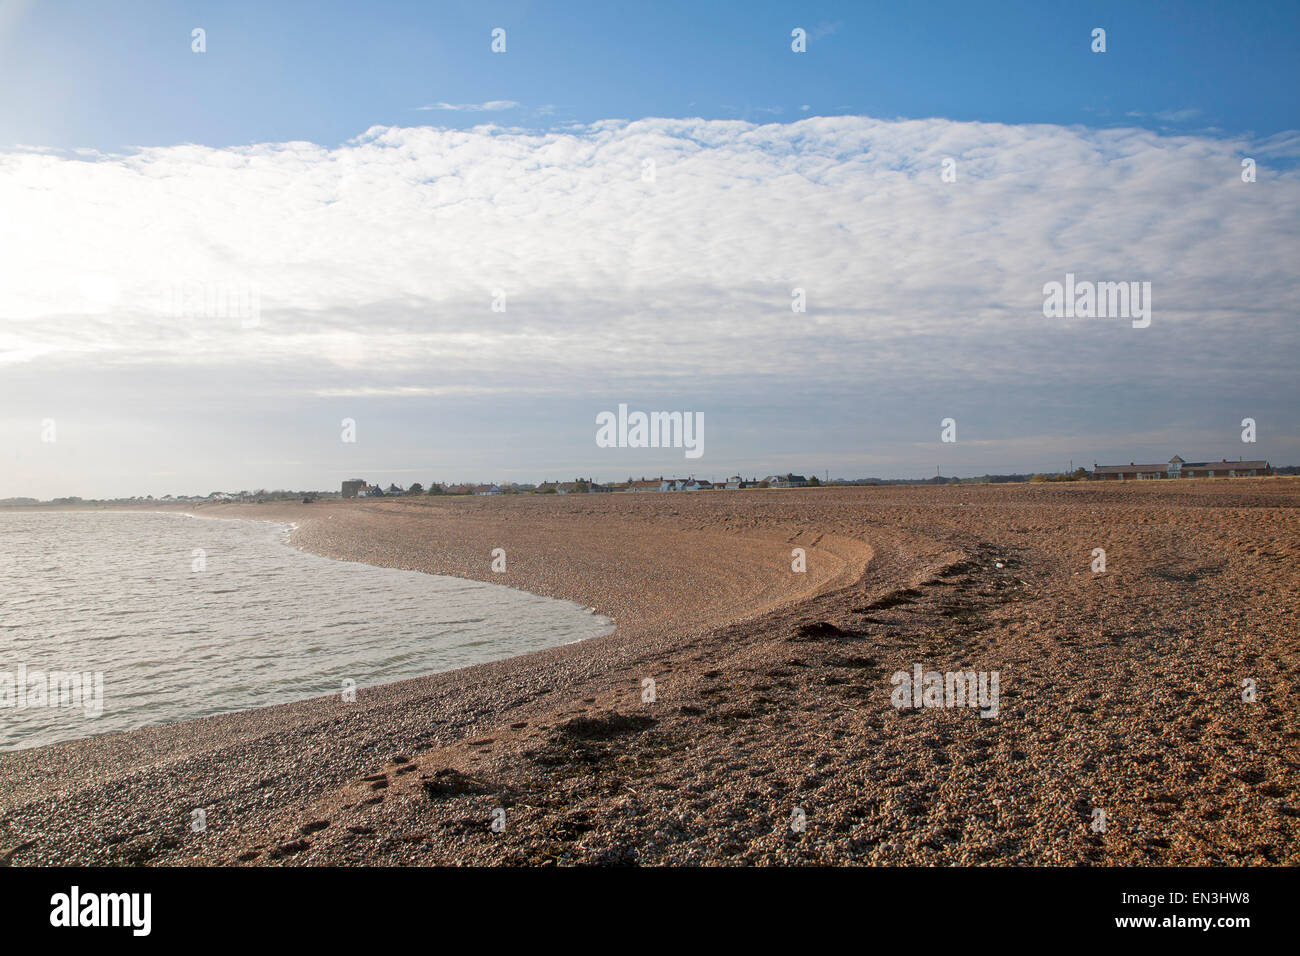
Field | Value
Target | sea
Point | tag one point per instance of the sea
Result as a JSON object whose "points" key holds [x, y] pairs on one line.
{"points": [[111, 621]]}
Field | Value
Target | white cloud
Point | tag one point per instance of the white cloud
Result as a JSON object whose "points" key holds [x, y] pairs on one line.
{"points": [[400, 238], [374, 264], [1167, 116], [491, 106]]}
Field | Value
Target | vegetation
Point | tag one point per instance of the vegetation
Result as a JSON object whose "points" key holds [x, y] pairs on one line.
{"points": [[1079, 474]]}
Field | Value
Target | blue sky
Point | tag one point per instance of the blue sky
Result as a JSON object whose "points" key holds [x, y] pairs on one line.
{"points": [[121, 75], [371, 179]]}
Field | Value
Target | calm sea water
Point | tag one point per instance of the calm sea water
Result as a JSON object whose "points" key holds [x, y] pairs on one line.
{"points": [[186, 617]]}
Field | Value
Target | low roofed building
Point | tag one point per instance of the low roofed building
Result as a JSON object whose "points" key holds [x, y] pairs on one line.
{"points": [[1176, 467]]}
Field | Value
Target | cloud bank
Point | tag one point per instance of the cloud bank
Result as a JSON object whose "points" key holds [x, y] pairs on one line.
{"points": [[655, 256]]}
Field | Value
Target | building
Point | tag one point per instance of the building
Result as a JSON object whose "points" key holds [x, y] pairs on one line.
{"points": [[564, 487], [581, 486], [1129, 472], [1178, 468], [786, 481], [353, 487], [1224, 468]]}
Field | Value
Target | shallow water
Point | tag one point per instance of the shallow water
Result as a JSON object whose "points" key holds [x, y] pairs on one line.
{"points": [[186, 617]]}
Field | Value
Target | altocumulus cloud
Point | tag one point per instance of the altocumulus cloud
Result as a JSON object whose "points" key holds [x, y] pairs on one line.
{"points": [[376, 262]]}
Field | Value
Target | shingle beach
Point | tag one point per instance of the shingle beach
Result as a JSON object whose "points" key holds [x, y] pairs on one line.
{"points": [[741, 711]]}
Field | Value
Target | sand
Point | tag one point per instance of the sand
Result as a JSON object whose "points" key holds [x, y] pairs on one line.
{"points": [[1120, 693]]}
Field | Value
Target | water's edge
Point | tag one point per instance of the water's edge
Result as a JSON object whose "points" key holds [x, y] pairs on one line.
{"points": [[288, 539]]}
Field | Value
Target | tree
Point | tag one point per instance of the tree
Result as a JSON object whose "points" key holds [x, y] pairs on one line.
{"points": [[814, 482], [415, 489]]}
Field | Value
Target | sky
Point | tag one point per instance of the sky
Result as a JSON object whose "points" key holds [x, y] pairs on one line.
{"points": [[217, 267]]}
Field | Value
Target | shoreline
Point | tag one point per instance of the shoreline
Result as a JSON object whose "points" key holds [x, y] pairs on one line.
{"points": [[772, 691], [276, 532], [459, 692]]}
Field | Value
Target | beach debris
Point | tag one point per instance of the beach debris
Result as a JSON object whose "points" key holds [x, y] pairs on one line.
{"points": [[819, 629], [449, 782], [288, 849], [606, 725]]}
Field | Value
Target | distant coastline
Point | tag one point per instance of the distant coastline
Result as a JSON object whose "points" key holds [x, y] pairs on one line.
{"points": [[452, 489]]}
